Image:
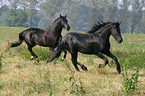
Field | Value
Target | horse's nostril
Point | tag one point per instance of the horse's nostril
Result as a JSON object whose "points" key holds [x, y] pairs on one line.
{"points": [[119, 41]]}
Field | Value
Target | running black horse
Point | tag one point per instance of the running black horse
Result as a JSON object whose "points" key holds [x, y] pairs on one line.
{"points": [[96, 42], [47, 38]]}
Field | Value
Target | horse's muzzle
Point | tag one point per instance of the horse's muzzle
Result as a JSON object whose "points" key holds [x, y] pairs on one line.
{"points": [[120, 41], [68, 28]]}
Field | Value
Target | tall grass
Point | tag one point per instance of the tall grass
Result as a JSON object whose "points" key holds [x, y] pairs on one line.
{"points": [[131, 58], [130, 83], [76, 85], [42, 52], [0, 62], [20, 76]]}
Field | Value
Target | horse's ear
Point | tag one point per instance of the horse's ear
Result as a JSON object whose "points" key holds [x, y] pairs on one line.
{"points": [[65, 15], [118, 23], [99, 23], [60, 15]]}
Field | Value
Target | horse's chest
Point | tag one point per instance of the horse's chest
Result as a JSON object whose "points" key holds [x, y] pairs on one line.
{"points": [[50, 41]]}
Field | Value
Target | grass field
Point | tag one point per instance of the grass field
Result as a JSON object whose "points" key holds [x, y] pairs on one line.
{"points": [[21, 76]]}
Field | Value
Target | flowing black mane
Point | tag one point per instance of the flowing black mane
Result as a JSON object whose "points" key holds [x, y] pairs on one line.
{"points": [[97, 26], [56, 20], [49, 27]]}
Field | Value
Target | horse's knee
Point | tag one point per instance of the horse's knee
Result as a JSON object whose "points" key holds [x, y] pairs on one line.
{"points": [[106, 61], [114, 58]]}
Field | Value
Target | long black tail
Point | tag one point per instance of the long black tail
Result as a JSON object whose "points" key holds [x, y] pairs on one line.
{"points": [[15, 44]]}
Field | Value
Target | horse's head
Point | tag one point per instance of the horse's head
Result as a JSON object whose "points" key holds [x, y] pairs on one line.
{"points": [[64, 22], [115, 31]]}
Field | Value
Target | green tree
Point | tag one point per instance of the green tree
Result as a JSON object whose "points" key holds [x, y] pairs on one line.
{"points": [[124, 15], [3, 11], [110, 12], [73, 11], [43, 23], [14, 3], [50, 8], [137, 14], [31, 11], [95, 11], [30, 7], [16, 18]]}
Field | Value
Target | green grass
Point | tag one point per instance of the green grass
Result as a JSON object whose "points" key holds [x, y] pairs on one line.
{"points": [[21, 76]]}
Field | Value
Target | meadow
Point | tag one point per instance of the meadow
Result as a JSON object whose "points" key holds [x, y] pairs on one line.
{"points": [[19, 75]]}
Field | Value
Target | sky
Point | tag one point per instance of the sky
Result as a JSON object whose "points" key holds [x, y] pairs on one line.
{"points": [[5, 2]]}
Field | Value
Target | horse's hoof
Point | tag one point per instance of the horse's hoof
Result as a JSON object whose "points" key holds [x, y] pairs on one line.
{"points": [[37, 59], [119, 70], [84, 68], [32, 58], [101, 66], [62, 59], [47, 61]]}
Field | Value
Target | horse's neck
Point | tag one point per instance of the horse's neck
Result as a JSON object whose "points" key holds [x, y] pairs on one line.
{"points": [[55, 30], [104, 34]]}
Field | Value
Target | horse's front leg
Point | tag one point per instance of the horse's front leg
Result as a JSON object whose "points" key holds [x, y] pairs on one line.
{"points": [[74, 59], [104, 58], [115, 59], [52, 51]]}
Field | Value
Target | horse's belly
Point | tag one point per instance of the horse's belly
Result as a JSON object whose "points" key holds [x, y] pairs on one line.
{"points": [[90, 49], [86, 50]]}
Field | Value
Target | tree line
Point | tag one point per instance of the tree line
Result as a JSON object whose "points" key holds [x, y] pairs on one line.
{"points": [[82, 14]]}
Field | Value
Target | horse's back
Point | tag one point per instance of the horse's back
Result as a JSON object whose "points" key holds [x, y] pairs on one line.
{"points": [[84, 43], [32, 30], [77, 35]]}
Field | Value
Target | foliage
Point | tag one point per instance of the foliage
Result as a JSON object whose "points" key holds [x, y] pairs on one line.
{"points": [[76, 87], [43, 23], [137, 14], [0, 62], [82, 14], [31, 11], [49, 9], [16, 18], [129, 83]]}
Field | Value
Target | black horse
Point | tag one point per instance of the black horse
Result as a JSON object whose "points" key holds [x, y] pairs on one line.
{"points": [[47, 38], [96, 42]]}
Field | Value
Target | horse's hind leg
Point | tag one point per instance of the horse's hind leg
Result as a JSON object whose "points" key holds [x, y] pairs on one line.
{"points": [[104, 58], [56, 54], [65, 53], [82, 66], [33, 54], [74, 59], [115, 59]]}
